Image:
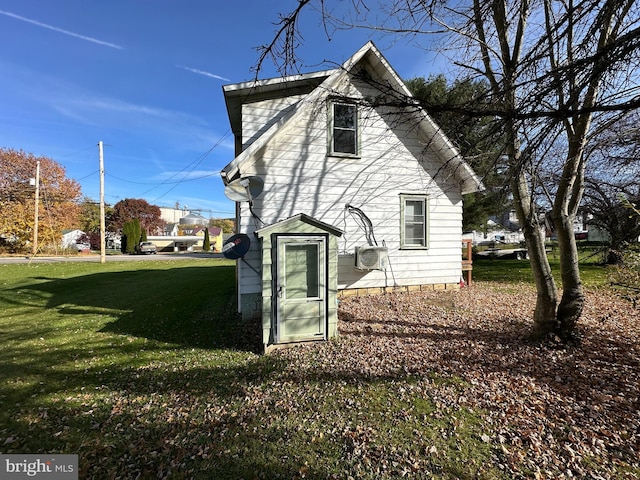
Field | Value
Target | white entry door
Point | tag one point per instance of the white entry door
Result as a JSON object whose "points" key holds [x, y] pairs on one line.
{"points": [[301, 289]]}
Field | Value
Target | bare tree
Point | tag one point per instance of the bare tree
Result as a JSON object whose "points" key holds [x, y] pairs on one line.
{"points": [[611, 184], [555, 71]]}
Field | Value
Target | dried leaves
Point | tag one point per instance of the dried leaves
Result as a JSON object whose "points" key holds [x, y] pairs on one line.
{"points": [[418, 385], [552, 410]]}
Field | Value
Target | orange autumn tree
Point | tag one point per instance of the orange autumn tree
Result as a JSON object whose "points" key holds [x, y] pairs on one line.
{"points": [[59, 207]]}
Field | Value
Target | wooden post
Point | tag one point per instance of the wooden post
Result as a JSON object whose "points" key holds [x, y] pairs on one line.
{"points": [[467, 263]]}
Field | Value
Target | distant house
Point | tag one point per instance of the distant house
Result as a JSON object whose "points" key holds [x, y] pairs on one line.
{"points": [[171, 229], [215, 238], [191, 222], [113, 240], [187, 235], [356, 191], [70, 238]]}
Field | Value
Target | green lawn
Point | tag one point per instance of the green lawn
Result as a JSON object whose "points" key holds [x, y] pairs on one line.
{"points": [[73, 333], [592, 273], [142, 368]]}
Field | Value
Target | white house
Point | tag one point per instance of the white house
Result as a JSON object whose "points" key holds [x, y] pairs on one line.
{"points": [[351, 188], [70, 238]]}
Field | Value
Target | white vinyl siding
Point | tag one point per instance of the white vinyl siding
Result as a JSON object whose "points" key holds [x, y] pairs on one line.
{"points": [[257, 117], [392, 160]]}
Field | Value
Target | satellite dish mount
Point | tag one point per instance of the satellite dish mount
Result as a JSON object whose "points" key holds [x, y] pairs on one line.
{"points": [[244, 189], [236, 247]]}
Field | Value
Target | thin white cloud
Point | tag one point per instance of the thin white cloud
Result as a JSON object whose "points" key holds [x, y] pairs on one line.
{"points": [[104, 104], [60, 30], [92, 110], [48, 99], [202, 72], [183, 128]]}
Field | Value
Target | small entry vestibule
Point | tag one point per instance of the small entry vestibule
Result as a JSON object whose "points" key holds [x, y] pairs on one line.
{"points": [[299, 280]]}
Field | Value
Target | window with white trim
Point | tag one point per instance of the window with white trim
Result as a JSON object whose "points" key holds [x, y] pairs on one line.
{"points": [[343, 129], [414, 221]]}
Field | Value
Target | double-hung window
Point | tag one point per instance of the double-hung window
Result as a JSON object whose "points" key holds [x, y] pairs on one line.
{"points": [[414, 219], [343, 129]]}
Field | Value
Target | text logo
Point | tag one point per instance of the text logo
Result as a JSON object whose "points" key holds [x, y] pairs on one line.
{"points": [[50, 467]]}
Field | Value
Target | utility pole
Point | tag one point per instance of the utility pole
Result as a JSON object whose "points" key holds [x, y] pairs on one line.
{"points": [[35, 221], [102, 226]]}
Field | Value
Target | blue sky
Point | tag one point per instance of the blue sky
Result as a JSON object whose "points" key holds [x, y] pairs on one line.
{"points": [[145, 77]]}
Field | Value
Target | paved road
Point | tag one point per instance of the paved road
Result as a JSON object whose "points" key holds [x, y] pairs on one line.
{"points": [[110, 258]]}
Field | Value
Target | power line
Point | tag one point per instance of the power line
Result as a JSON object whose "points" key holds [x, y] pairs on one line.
{"points": [[164, 182], [86, 176], [184, 172], [193, 164]]}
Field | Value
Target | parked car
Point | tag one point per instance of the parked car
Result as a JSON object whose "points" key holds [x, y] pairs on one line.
{"points": [[507, 253], [146, 248]]}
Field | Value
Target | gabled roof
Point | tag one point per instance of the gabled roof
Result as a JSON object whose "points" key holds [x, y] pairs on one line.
{"points": [[452, 161], [237, 94]]}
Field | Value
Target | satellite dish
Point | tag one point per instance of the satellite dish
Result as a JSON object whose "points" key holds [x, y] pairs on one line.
{"points": [[236, 246], [244, 189]]}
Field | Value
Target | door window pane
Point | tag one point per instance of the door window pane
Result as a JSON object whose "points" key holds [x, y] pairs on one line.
{"points": [[301, 271]]}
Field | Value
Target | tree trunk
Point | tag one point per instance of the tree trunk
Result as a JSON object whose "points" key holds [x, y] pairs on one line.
{"points": [[614, 256], [572, 302], [565, 207], [504, 87], [544, 315]]}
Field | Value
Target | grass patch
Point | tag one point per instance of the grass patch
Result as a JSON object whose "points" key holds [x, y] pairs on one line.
{"points": [[144, 370], [373, 430], [519, 271]]}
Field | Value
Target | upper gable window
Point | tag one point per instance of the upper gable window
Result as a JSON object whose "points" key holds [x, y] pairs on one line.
{"points": [[343, 130]]}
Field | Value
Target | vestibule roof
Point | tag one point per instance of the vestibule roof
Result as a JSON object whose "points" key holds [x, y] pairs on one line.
{"points": [[300, 217]]}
